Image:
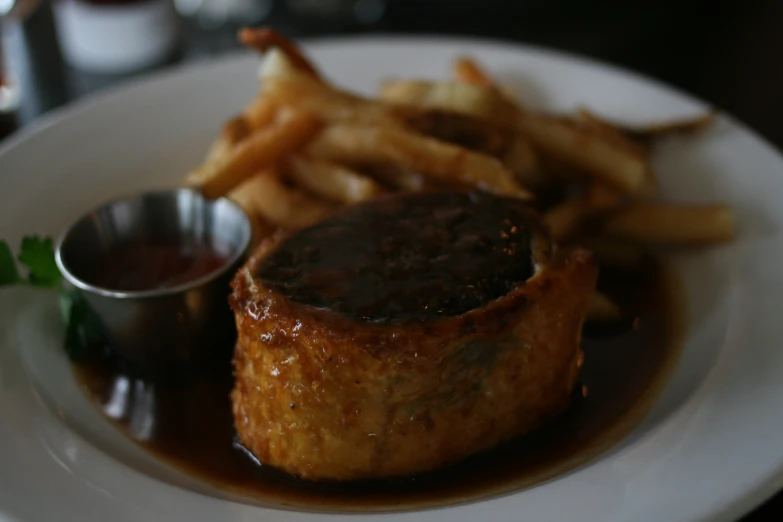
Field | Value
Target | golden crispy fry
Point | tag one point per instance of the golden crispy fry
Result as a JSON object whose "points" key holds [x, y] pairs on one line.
{"points": [[647, 133], [466, 131], [244, 196], [332, 181], [602, 198], [264, 38], [468, 70], [244, 193], [586, 115], [218, 150], [670, 223], [565, 220], [277, 65], [463, 98], [569, 142], [615, 252], [523, 161], [520, 156], [512, 95], [423, 134], [328, 103], [609, 132], [621, 138], [603, 309], [255, 153], [555, 173], [442, 161], [266, 197], [237, 129], [284, 85], [667, 128], [398, 177], [261, 112]]}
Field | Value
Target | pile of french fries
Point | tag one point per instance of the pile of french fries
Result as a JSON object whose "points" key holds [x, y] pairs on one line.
{"points": [[304, 148]]}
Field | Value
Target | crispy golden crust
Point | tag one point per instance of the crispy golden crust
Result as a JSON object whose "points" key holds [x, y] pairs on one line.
{"points": [[323, 397]]}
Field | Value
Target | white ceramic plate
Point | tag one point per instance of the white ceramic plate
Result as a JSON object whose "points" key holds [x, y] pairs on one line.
{"points": [[711, 448]]}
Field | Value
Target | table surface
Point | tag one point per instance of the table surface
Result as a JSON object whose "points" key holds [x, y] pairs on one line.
{"points": [[727, 53]]}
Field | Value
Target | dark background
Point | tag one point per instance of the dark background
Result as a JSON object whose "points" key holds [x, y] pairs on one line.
{"points": [[728, 53]]}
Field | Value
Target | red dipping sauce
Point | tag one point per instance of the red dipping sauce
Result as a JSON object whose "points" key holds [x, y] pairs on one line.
{"points": [[154, 265]]}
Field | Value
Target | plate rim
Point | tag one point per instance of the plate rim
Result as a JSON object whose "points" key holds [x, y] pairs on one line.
{"points": [[728, 510], [85, 102]]}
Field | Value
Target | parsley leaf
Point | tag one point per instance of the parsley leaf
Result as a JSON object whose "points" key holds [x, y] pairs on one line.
{"points": [[8, 272], [37, 254], [84, 332]]}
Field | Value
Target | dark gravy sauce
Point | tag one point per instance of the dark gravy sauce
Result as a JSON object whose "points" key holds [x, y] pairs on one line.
{"points": [[625, 367]]}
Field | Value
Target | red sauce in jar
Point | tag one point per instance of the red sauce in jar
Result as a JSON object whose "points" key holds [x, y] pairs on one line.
{"points": [[152, 265]]}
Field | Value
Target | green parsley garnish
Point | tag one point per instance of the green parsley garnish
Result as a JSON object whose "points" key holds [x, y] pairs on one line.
{"points": [[37, 254], [84, 331], [8, 273]]}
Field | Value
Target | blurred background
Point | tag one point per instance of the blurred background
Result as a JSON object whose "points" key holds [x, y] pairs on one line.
{"points": [[728, 53], [725, 52]]}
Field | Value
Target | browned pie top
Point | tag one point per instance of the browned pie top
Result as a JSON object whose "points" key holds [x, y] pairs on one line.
{"points": [[406, 258]]}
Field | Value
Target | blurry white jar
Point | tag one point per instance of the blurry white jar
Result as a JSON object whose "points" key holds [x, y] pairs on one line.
{"points": [[115, 36]]}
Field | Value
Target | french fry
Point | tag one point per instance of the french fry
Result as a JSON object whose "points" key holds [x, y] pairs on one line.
{"points": [[217, 151], [261, 112], [267, 198], [602, 308], [264, 38], [233, 131], [338, 148], [244, 196], [463, 98], [398, 177], [237, 129], [284, 84], [229, 136], [587, 150], [643, 135], [556, 173], [621, 138], [244, 193], [522, 160], [442, 161], [609, 132], [670, 223], [615, 252], [328, 103], [468, 70], [460, 129], [690, 125], [602, 198], [332, 181], [277, 64], [566, 219], [257, 152]]}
